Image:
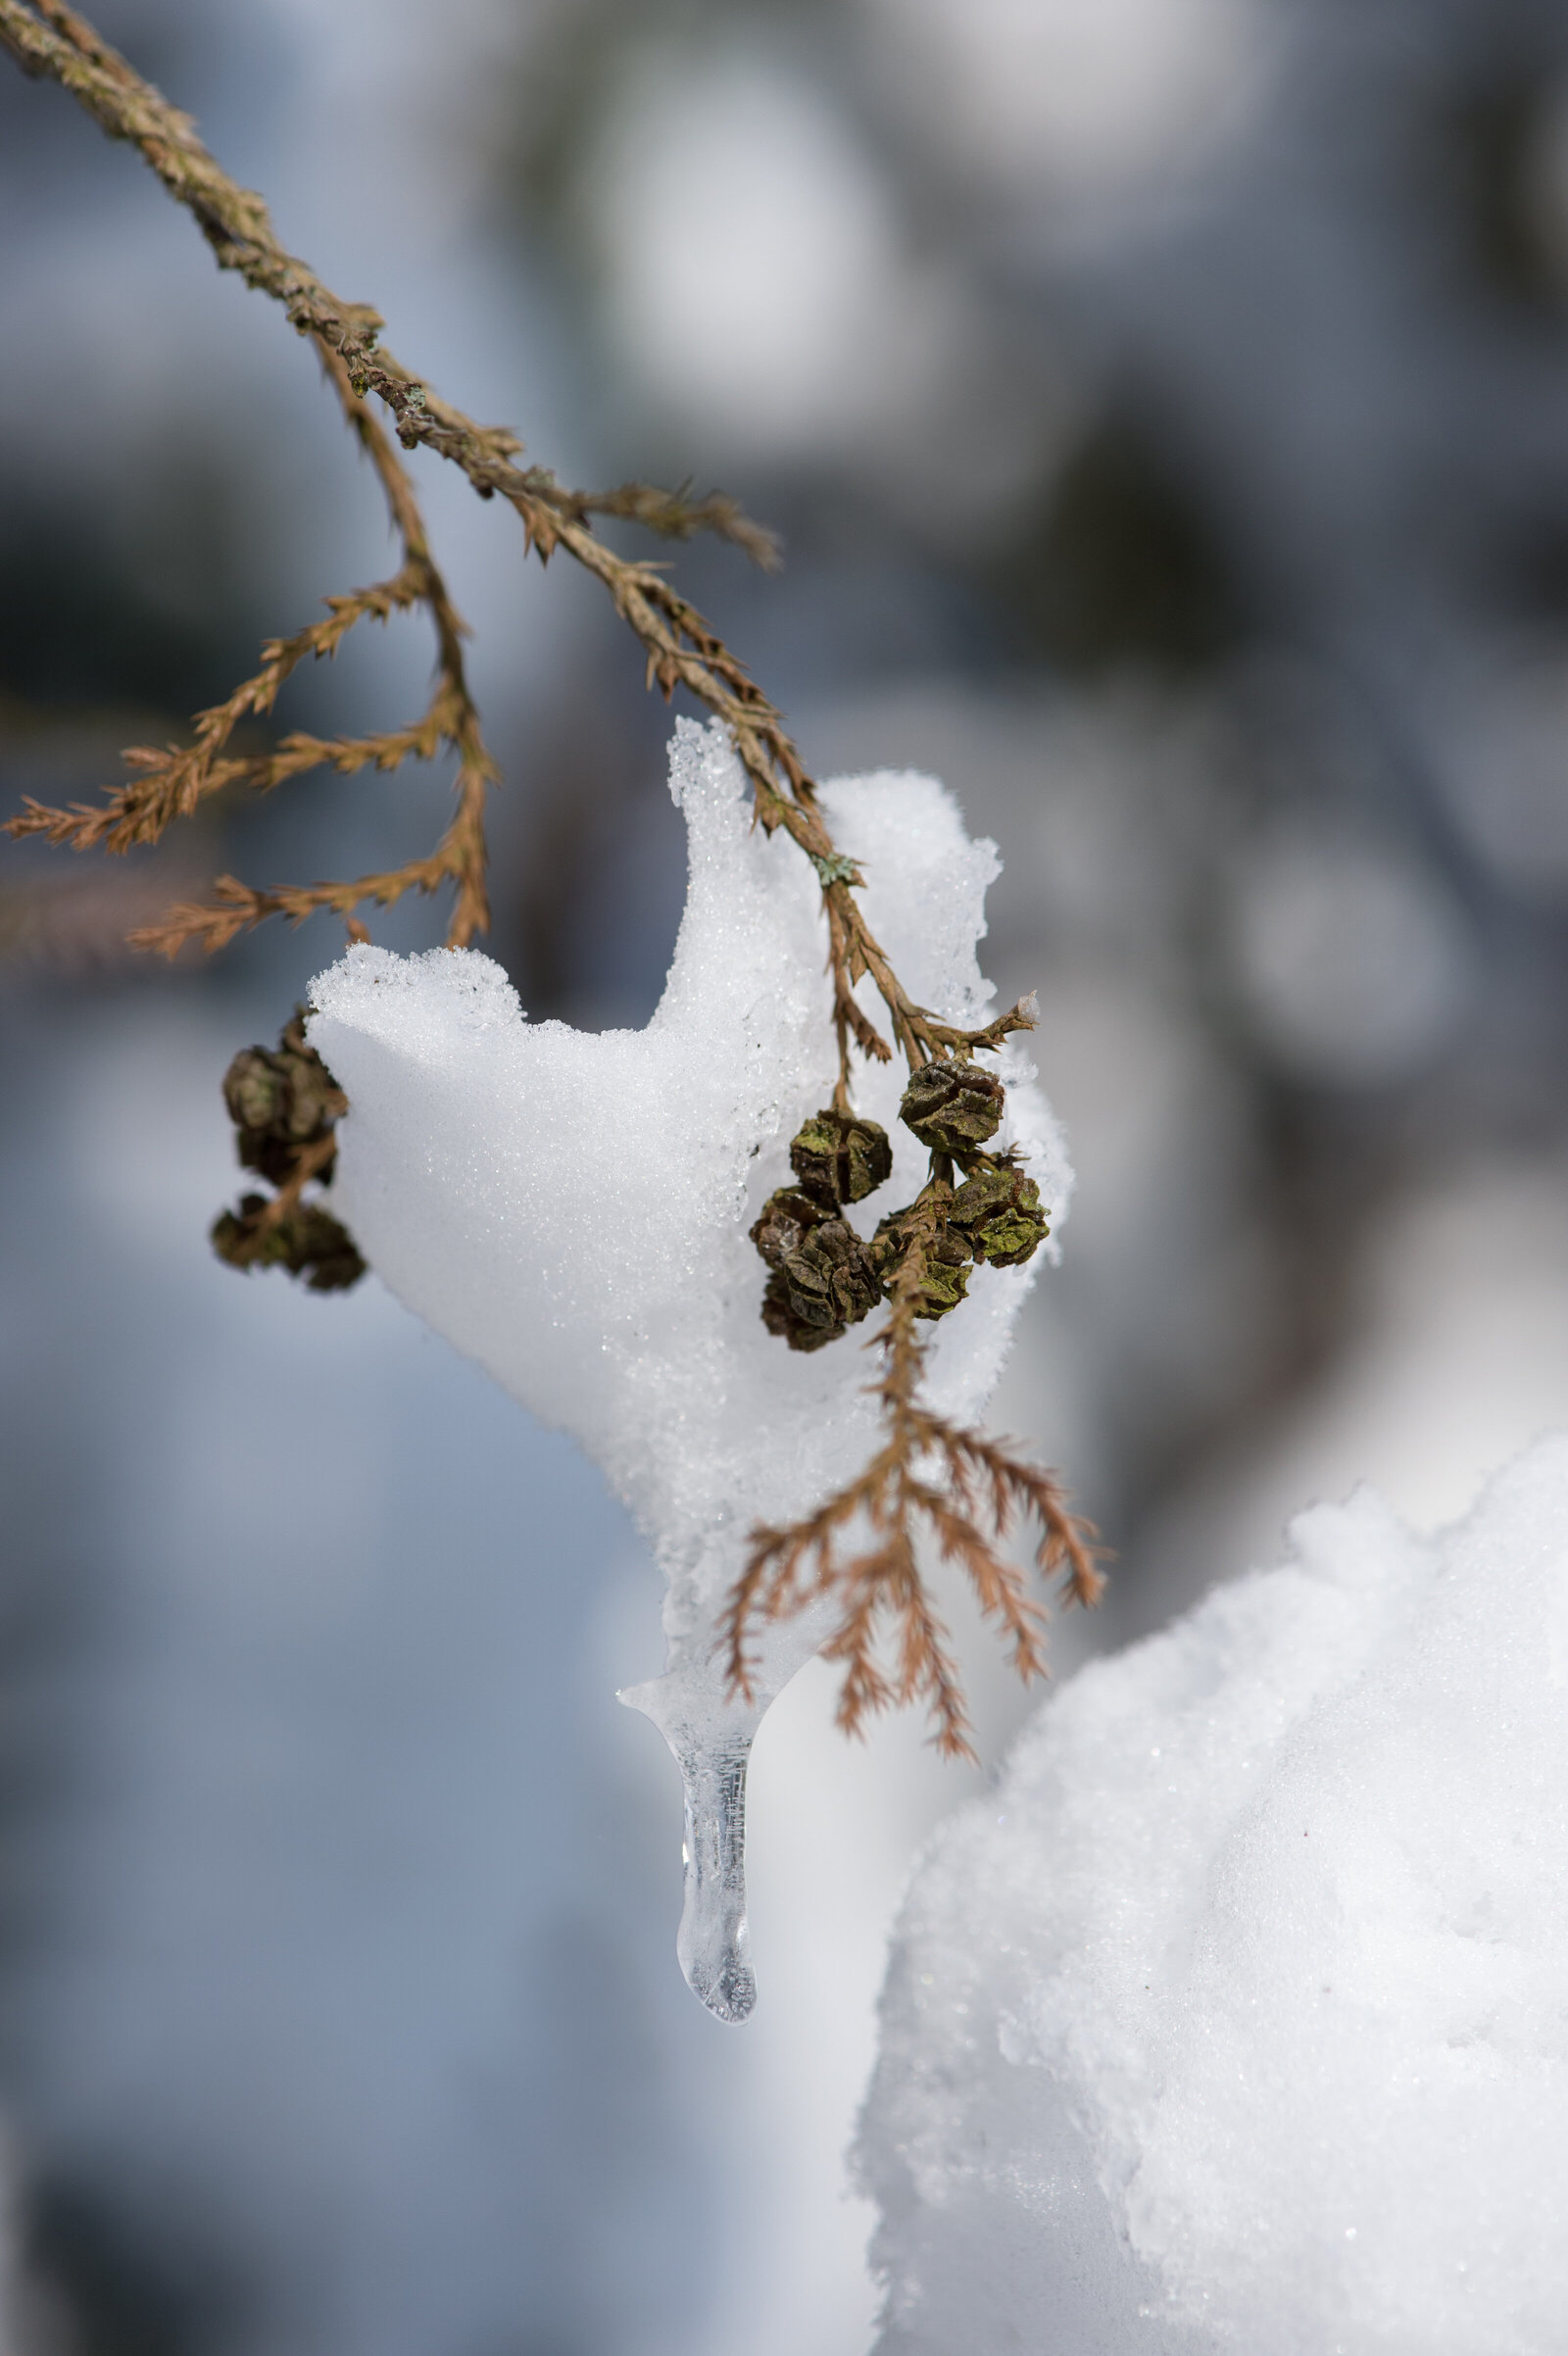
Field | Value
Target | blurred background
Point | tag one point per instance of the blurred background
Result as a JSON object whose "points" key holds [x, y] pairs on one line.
{"points": [[1164, 404]]}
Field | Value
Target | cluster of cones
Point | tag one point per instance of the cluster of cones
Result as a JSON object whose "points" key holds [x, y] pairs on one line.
{"points": [[825, 1277], [285, 1104]]}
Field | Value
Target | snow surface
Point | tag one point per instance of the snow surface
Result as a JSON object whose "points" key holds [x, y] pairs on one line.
{"points": [[570, 1210], [1237, 2017]]}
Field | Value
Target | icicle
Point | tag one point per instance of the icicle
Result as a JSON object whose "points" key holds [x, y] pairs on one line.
{"points": [[711, 1734], [710, 1741], [713, 1940]]}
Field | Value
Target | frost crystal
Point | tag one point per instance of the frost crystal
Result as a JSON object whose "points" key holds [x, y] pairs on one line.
{"points": [[1235, 2018], [572, 1209]]}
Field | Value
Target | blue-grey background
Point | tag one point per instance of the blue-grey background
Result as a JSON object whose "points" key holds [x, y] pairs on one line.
{"points": [[1165, 406]]}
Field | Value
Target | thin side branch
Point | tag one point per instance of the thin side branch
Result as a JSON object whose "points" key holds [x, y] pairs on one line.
{"points": [[171, 781]]}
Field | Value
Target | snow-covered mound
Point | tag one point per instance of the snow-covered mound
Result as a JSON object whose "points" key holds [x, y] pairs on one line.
{"points": [[1237, 2017], [571, 1210]]}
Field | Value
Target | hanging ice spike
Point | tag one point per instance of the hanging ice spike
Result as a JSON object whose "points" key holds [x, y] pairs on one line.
{"points": [[710, 1731], [712, 1747], [713, 1940]]}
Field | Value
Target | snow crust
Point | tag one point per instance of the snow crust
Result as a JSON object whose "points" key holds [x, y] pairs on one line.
{"points": [[570, 1208], [1237, 2016]]}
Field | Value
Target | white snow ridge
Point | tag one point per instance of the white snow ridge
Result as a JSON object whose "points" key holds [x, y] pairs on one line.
{"points": [[570, 1210], [1237, 2017]]}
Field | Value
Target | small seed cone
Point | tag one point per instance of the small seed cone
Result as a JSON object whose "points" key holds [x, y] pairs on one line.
{"points": [[941, 1254], [786, 1218], [953, 1108], [997, 1212], [307, 1241], [838, 1157], [823, 1287], [280, 1100]]}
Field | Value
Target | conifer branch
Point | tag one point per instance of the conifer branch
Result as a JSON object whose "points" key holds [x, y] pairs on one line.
{"points": [[51, 39], [962, 1488]]}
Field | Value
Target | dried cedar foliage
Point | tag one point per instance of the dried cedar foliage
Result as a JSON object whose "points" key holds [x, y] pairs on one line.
{"points": [[822, 1277], [963, 1490]]}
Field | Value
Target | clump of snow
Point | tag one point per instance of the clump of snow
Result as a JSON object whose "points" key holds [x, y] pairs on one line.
{"points": [[1237, 2016], [570, 1210]]}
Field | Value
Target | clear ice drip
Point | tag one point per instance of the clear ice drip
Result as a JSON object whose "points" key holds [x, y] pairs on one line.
{"points": [[713, 1941], [711, 1739], [710, 1731]]}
